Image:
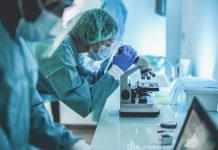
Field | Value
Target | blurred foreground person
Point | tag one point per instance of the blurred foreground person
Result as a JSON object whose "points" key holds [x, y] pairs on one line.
{"points": [[24, 121]]}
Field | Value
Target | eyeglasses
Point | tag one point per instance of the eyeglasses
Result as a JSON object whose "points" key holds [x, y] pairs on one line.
{"points": [[111, 41]]}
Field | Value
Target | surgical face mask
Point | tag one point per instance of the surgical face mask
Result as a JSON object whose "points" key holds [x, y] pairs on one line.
{"points": [[39, 29], [103, 52]]}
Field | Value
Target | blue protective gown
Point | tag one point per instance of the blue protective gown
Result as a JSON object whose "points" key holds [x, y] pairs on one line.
{"points": [[24, 121], [64, 76]]}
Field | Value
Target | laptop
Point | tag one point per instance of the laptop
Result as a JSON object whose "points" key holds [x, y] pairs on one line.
{"points": [[198, 131]]}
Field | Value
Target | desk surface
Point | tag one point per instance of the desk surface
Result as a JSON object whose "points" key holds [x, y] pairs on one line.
{"points": [[120, 133]]}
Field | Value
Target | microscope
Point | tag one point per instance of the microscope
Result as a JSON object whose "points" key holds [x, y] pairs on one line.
{"points": [[134, 97]]}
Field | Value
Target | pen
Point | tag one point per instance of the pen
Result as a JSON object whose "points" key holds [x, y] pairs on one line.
{"points": [[162, 131]]}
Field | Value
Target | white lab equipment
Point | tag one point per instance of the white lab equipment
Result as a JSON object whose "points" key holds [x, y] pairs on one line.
{"points": [[185, 68], [186, 88], [134, 98]]}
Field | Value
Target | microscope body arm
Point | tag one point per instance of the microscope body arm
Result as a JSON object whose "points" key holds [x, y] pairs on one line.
{"points": [[124, 77]]}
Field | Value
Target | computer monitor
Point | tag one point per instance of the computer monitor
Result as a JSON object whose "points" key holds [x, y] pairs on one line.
{"points": [[198, 131]]}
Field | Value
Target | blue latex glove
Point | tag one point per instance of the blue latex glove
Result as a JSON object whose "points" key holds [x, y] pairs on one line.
{"points": [[125, 57]]}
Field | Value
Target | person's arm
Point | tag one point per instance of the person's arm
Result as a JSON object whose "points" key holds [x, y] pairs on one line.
{"points": [[90, 76], [70, 87], [5, 143], [74, 90], [14, 114], [11, 100], [44, 133]]}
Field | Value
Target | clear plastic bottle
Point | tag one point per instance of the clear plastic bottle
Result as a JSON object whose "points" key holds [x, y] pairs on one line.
{"points": [[182, 108]]}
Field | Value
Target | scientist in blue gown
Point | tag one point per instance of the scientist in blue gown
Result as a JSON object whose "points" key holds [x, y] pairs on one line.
{"points": [[64, 74], [24, 121]]}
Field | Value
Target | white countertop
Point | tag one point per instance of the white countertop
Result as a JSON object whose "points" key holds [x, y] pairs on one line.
{"points": [[123, 133]]}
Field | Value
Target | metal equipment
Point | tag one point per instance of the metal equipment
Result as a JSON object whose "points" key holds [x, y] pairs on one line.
{"points": [[134, 97]]}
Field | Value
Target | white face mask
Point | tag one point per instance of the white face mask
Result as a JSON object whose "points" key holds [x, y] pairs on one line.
{"points": [[39, 29], [103, 53]]}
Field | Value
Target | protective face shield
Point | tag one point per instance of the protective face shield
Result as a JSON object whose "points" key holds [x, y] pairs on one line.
{"points": [[38, 29], [105, 51]]}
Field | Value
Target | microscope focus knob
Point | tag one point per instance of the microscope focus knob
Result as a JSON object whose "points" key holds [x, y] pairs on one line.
{"points": [[125, 94]]}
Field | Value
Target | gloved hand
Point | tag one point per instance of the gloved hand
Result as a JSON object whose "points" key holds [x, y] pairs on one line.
{"points": [[125, 57]]}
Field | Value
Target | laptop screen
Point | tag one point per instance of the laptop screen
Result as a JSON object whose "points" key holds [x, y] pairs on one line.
{"points": [[198, 132]]}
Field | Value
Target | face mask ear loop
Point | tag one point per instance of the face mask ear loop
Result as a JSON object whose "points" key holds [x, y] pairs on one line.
{"points": [[99, 47], [90, 47], [20, 6]]}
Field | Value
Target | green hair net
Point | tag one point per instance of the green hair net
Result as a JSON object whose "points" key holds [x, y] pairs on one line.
{"points": [[94, 25]]}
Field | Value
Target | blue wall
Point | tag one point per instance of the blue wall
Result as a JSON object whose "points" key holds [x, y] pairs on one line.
{"points": [[200, 36], [173, 30], [145, 30]]}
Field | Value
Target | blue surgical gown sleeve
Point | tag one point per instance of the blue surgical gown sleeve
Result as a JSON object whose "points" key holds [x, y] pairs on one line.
{"points": [[71, 87], [4, 142], [44, 132], [90, 76], [14, 95]]}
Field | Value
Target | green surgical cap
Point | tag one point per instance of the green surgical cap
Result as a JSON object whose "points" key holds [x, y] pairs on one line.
{"points": [[95, 25]]}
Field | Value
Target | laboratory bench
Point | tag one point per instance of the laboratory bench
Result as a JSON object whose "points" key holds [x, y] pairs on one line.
{"points": [[136, 133]]}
